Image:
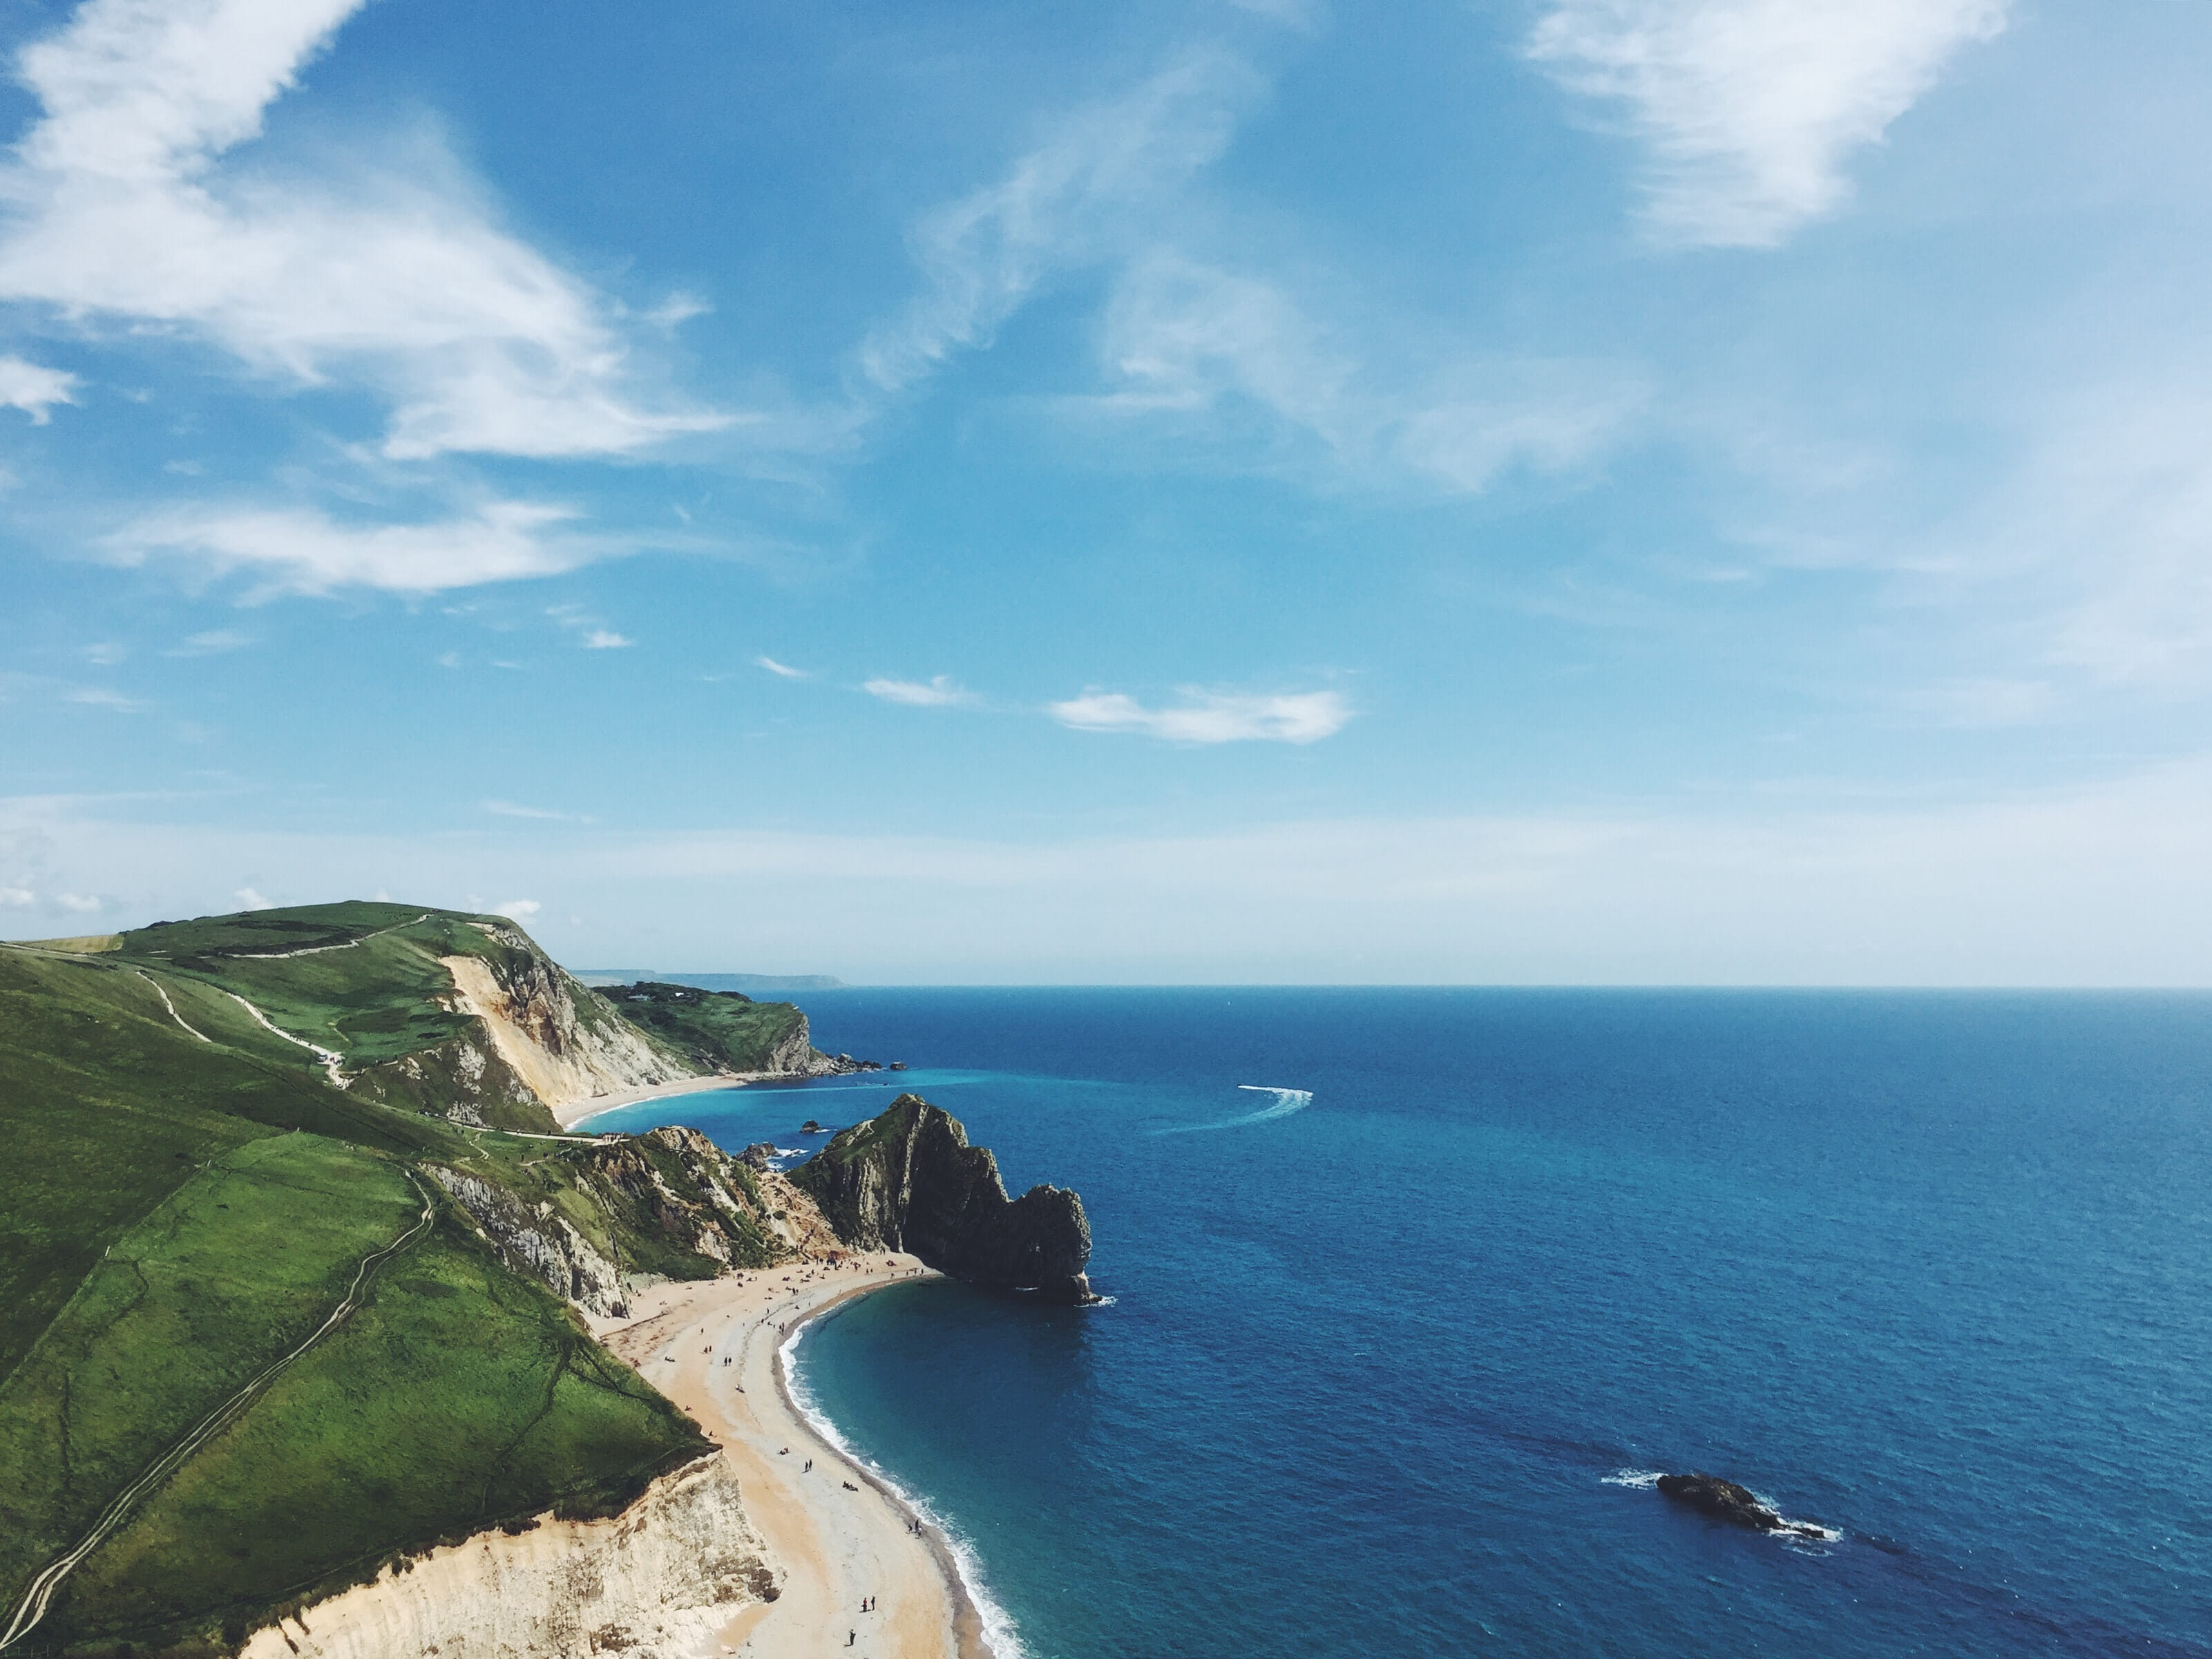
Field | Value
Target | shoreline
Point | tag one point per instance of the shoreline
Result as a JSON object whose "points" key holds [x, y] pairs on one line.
{"points": [[970, 1629], [833, 1545], [582, 1111]]}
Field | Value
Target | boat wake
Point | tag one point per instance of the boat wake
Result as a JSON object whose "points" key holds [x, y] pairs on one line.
{"points": [[1286, 1102]]}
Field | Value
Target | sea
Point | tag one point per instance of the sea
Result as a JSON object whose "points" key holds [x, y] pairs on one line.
{"points": [[1413, 1293]]}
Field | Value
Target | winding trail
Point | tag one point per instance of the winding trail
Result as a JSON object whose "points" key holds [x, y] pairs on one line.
{"points": [[318, 950], [41, 1594], [170, 1005], [333, 1062]]}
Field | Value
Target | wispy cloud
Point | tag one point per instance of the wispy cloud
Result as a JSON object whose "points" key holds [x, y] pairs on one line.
{"points": [[518, 909], [1075, 200], [782, 671], [303, 551], [252, 900], [1750, 109], [212, 643], [940, 692], [508, 809], [398, 281], [33, 389], [100, 696], [1205, 717], [1232, 363], [605, 639]]}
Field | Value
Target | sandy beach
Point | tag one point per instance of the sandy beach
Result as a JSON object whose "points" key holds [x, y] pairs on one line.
{"points": [[836, 1537], [575, 1112]]}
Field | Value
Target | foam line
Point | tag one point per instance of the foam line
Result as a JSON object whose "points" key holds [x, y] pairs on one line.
{"points": [[999, 1629], [1286, 1102]]}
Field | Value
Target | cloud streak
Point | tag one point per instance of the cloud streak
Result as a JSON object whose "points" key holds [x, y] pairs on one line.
{"points": [[1211, 717], [940, 692], [1075, 200], [1750, 109], [299, 550]]}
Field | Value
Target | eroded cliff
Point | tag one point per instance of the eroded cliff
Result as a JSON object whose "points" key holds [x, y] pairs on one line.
{"points": [[661, 1581]]}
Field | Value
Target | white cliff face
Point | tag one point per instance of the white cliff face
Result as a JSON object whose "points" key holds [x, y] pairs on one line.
{"points": [[661, 1581], [536, 1029]]}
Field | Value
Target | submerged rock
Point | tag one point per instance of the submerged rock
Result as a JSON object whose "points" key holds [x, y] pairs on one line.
{"points": [[1725, 1500], [908, 1180]]}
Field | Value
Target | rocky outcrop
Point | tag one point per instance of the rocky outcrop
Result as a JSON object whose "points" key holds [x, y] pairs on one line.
{"points": [[910, 1180], [1725, 1500], [612, 1217], [564, 1044], [662, 1580], [541, 1242], [464, 1081]]}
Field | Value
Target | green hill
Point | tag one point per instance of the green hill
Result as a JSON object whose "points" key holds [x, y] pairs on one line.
{"points": [[717, 1030], [291, 1272]]}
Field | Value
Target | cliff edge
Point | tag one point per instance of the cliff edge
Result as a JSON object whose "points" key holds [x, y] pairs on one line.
{"points": [[908, 1180]]}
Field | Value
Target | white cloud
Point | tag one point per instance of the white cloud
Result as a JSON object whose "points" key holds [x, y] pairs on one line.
{"points": [[1211, 717], [33, 389], [120, 204], [937, 693], [508, 809], [213, 642], [253, 901], [82, 904], [783, 670], [518, 909], [1075, 200], [17, 896], [605, 639], [1208, 351], [1751, 108], [100, 696], [303, 551], [106, 654]]}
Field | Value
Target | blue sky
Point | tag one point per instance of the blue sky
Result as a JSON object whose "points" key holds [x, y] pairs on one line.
{"points": [[1556, 491]]}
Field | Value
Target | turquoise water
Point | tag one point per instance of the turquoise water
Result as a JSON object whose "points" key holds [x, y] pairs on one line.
{"points": [[1386, 1365]]}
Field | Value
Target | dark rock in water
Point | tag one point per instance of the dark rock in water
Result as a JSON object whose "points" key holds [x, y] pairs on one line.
{"points": [[910, 1180], [1725, 1500], [811, 1127], [898, 1065], [759, 1153]]}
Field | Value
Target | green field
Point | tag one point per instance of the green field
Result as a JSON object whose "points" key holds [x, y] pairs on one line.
{"points": [[185, 1205]]}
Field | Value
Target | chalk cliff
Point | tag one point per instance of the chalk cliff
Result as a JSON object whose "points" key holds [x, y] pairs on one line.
{"points": [[659, 1580]]}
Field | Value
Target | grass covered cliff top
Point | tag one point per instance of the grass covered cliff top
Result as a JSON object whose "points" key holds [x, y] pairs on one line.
{"points": [[194, 1185]]}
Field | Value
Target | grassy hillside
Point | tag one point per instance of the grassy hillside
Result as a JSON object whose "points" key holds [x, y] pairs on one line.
{"points": [[192, 1194], [716, 1030]]}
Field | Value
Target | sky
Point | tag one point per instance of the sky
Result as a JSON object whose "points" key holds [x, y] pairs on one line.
{"points": [[1235, 492]]}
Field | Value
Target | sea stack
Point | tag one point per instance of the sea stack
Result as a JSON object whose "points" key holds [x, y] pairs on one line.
{"points": [[908, 1180]]}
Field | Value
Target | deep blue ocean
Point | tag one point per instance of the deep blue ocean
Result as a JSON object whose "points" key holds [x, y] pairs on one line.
{"points": [[1386, 1371]]}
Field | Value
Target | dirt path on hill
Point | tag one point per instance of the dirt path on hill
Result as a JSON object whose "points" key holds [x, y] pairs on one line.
{"points": [[41, 1594]]}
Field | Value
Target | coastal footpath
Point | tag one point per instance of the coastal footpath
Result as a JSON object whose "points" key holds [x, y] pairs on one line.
{"points": [[327, 1327]]}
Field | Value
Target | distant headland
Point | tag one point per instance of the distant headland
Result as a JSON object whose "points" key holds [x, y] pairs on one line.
{"points": [[750, 984]]}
